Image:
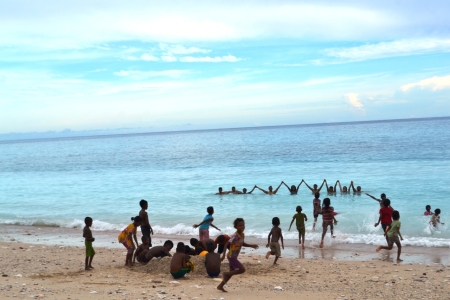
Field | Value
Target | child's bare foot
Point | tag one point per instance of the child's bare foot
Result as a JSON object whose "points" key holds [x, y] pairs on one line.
{"points": [[90, 267], [303, 246], [333, 236], [87, 269], [313, 229], [399, 260], [378, 249], [220, 287], [267, 255], [321, 244]]}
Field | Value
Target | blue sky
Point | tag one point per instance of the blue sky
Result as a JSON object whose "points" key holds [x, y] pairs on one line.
{"points": [[180, 65]]}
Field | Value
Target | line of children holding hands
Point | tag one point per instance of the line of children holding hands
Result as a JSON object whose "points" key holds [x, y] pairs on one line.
{"points": [[294, 189]]}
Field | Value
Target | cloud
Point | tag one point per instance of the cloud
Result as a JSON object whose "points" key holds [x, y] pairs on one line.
{"points": [[146, 74], [180, 49], [354, 101], [227, 58], [168, 58], [388, 49], [148, 57], [434, 83]]}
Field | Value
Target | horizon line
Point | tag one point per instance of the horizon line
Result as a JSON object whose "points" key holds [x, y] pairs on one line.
{"points": [[204, 130]]}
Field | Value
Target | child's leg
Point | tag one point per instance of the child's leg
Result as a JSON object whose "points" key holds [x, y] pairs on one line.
{"points": [[90, 262], [275, 261], [227, 276], [389, 247], [315, 221], [267, 254], [399, 250], [324, 231], [331, 230], [86, 263], [303, 241]]}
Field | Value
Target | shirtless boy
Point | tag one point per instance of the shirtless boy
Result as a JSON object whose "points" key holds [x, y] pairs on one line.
{"points": [[272, 240], [158, 251], [315, 189], [146, 228], [178, 267], [270, 191], [212, 261]]}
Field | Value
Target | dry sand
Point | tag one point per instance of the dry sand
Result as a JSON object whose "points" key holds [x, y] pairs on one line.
{"points": [[57, 272]]}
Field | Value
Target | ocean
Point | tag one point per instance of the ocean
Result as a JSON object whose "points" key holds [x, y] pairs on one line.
{"points": [[58, 182]]}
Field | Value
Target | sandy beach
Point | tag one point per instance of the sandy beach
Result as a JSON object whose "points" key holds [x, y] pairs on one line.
{"points": [[48, 270]]}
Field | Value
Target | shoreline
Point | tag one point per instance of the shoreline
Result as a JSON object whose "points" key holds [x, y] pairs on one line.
{"points": [[58, 236]]}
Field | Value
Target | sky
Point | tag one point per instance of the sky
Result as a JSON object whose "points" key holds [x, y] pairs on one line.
{"points": [[180, 65]]}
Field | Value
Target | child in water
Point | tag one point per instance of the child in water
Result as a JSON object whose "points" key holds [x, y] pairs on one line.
{"points": [[436, 219], [88, 239], [428, 211], [327, 219], [300, 219], [126, 238], [392, 233], [276, 235], [236, 242]]}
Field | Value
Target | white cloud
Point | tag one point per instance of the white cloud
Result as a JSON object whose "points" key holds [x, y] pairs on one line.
{"points": [[149, 57], [389, 49], [434, 83], [145, 74], [180, 49], [227, 58], [354, 101], [168, 58]]}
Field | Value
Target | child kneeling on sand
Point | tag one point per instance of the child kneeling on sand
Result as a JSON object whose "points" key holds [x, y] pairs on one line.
{"points": [[212, 261], [180, 265], [392, 233]]}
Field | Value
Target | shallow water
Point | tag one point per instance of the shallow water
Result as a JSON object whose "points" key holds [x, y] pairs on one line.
{"points": [[59, 182]]}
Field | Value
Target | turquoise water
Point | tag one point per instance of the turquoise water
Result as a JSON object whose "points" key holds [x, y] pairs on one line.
{"points": [[59, 182]]}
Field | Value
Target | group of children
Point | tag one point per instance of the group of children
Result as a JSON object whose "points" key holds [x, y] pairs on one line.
{"points": [[181, 263]]}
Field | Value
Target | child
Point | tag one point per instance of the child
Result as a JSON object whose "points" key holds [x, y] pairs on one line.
{"points": [[158, 251], [88, 239], [316, 208], [220, 241], [126, 238], [382, 196], [204, 225], [436, 219], [146, 228], [139, 254], [212, 261], [327, 219], [300, 219], [385, 216], [393, 231], [428, 211], [236, 242], [276, 235], [200, 251], [196, 243], [178, 264]]}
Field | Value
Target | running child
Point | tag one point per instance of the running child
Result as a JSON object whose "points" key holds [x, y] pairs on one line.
{"points": [[385, 216], [316, 208], [203, 230], [276, 235], [146, 228], [140, 252], [327, 219], [300, 219], [88, 239], [212, 261], [392, 234], [436, 218], [126, 238], [236, 242]]}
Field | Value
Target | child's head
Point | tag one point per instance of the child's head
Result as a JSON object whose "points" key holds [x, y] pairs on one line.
{"points": [[145, 240], [187, 249], [143, 203], [221, 239], [180, 247], [210, 247], [137, 221], [427, 208], [168, 244], [395, 215], [326, 202], [270, 188], [358, 188], [239, 224], [437, 211], [317, 195], [293, 188], [344, 189], [276, 221], [193, 242], [386, 202], [210, 210], [315, 186], [198, 250], [88, 221], [220, 189], [244, 190], [298, 209], [330, 189], [383, 196]]}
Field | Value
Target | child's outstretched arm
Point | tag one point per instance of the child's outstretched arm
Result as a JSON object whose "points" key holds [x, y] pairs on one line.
{"points": [[298, 186], [252, 189], [263, 190], [276, 190], [351, 186], [254, 246], [322, 184], [212, 225], [335, 185], [340, 186], [376, 199], [225, 248], [307, 185], [292, 222], [286, 185], [203, 222]]}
